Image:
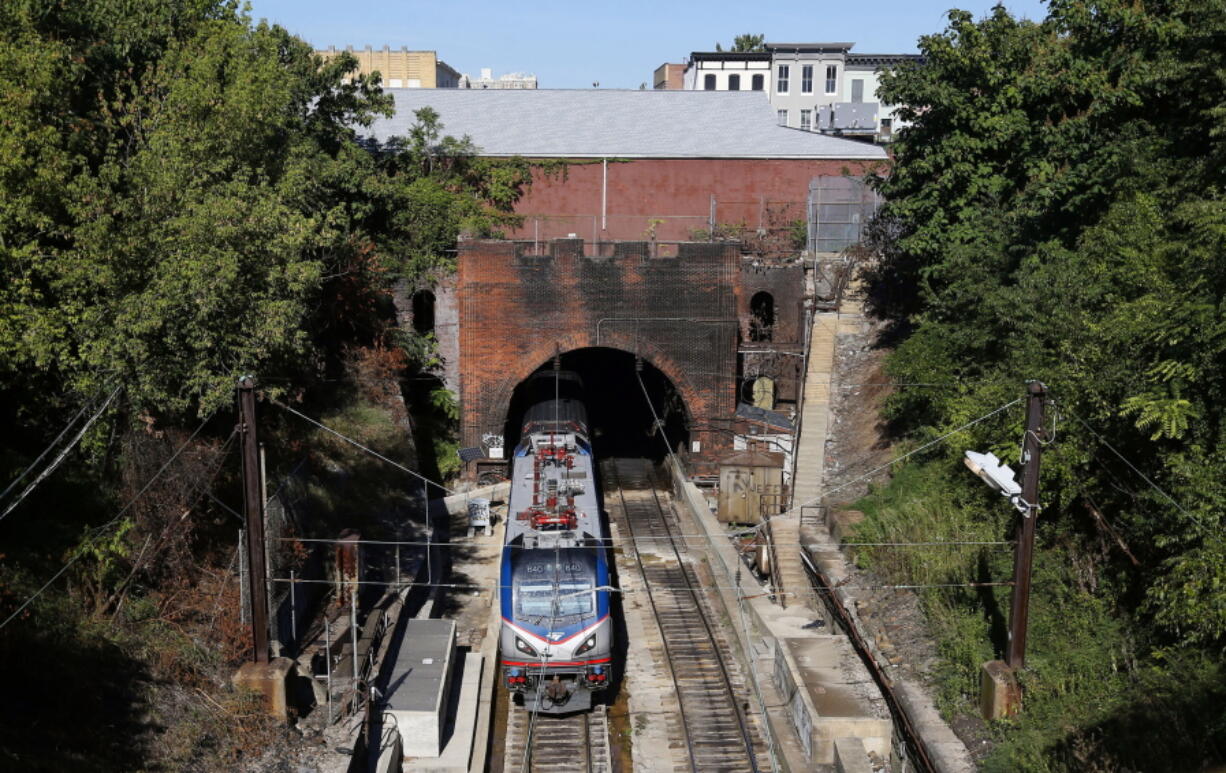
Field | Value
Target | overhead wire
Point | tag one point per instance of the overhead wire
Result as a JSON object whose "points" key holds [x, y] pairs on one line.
{"points": [[47, 450], [55, 463], [496, 587], [359, 445], [622, 540], [890, 463], [1134, 468], [110, 523]]}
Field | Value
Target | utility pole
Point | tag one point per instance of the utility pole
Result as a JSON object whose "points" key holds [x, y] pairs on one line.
{"points": [[253, 507], [1032, 452]]}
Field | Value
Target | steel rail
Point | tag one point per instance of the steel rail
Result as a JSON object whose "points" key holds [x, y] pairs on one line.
{"points": [[746, 736], [566, 740], [730, 700]]}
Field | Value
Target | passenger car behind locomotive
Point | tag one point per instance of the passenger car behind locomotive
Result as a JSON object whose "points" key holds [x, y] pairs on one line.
{"points": [[557, 635]]}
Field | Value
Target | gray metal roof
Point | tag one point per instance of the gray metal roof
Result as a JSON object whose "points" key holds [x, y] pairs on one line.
{"points": [[808, 46], [754, 413], [596, 123]]}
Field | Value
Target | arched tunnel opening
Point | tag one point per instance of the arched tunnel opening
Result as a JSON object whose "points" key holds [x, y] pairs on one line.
{"points": [[622, 423]]}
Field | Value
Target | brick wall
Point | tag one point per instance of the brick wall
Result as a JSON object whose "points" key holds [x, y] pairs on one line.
{"points": [[777, 358], [667, 198], [516, 310]]}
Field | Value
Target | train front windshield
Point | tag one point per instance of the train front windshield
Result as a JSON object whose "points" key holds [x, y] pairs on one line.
{"points": [[568, 598], [555, 584]]}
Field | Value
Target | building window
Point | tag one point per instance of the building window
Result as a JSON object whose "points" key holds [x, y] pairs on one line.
{"points": [[805, 123], [708, 82], [806, 79], [782, 86], [857, 90], [761, 317], [783, 117], [758, 82], [734, 83], [832, 79]]}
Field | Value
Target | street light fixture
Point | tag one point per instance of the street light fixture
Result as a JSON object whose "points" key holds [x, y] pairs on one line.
{"points": [[1000, 477]]}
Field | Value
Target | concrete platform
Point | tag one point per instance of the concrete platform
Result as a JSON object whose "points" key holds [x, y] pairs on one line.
{"points": [[850, 756], [420, 686], [457, 752], [271, 681], [843, 710], [474, 609]]}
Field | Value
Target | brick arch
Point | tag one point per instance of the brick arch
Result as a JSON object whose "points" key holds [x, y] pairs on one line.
{"points": [[519, 306], [494, 413]]}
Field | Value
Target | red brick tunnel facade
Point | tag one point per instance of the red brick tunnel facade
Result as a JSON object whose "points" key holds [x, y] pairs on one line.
{"points": [[517, 310]]}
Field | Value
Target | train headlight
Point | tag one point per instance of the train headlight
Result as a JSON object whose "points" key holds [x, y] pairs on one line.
{"points": [[587, 645], [524, 647]]}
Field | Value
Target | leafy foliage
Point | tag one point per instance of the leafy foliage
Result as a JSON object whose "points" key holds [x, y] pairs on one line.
{"points": [[187, 198], [184, 188], [1055, 211], [745, 43]]}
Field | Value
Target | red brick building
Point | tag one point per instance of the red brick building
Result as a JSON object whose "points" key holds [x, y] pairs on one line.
{"points": [[642, 165]]}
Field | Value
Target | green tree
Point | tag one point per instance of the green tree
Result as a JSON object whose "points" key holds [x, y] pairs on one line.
{"points": [[187, 200], [746, 43]]}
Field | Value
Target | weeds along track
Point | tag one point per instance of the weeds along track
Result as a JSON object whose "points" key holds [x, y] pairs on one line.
{"points": [[718, 735], [557, 744]]}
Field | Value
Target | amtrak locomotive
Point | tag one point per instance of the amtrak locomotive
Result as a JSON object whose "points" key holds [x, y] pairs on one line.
{"points": [[557, 637]]}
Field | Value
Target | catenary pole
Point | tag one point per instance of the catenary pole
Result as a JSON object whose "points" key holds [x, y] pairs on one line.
{"points": [[253, 509], [1032, 451]]}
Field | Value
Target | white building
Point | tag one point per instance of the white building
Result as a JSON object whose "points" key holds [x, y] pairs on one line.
{"points": [[511, 80], [812, 86], [727, 71]]}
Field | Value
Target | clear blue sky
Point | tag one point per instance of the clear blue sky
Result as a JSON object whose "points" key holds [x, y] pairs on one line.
{"points": [[619, 44]]}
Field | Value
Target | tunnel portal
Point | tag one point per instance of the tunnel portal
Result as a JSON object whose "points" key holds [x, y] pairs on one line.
{"points": [[521, 304], [622, 423]]}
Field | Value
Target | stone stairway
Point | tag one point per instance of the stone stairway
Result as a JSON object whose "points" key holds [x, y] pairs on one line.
{"points": [[811, 449], [787, 530]]}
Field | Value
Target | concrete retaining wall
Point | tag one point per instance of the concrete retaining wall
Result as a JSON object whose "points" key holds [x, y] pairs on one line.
{"points": [[830, 669]]}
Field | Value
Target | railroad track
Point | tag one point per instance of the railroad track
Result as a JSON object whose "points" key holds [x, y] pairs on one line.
{"points": [[557, 744], [718, 735]]}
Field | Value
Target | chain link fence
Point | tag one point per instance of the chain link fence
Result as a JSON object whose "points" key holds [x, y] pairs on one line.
{"points": [[838, 210]]}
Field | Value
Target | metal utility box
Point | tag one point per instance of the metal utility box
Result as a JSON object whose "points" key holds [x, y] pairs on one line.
{"points": [[420, 686], [750, 486]]}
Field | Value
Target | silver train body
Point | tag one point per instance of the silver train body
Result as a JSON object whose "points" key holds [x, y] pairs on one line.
{"points": [[557, 634]]}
